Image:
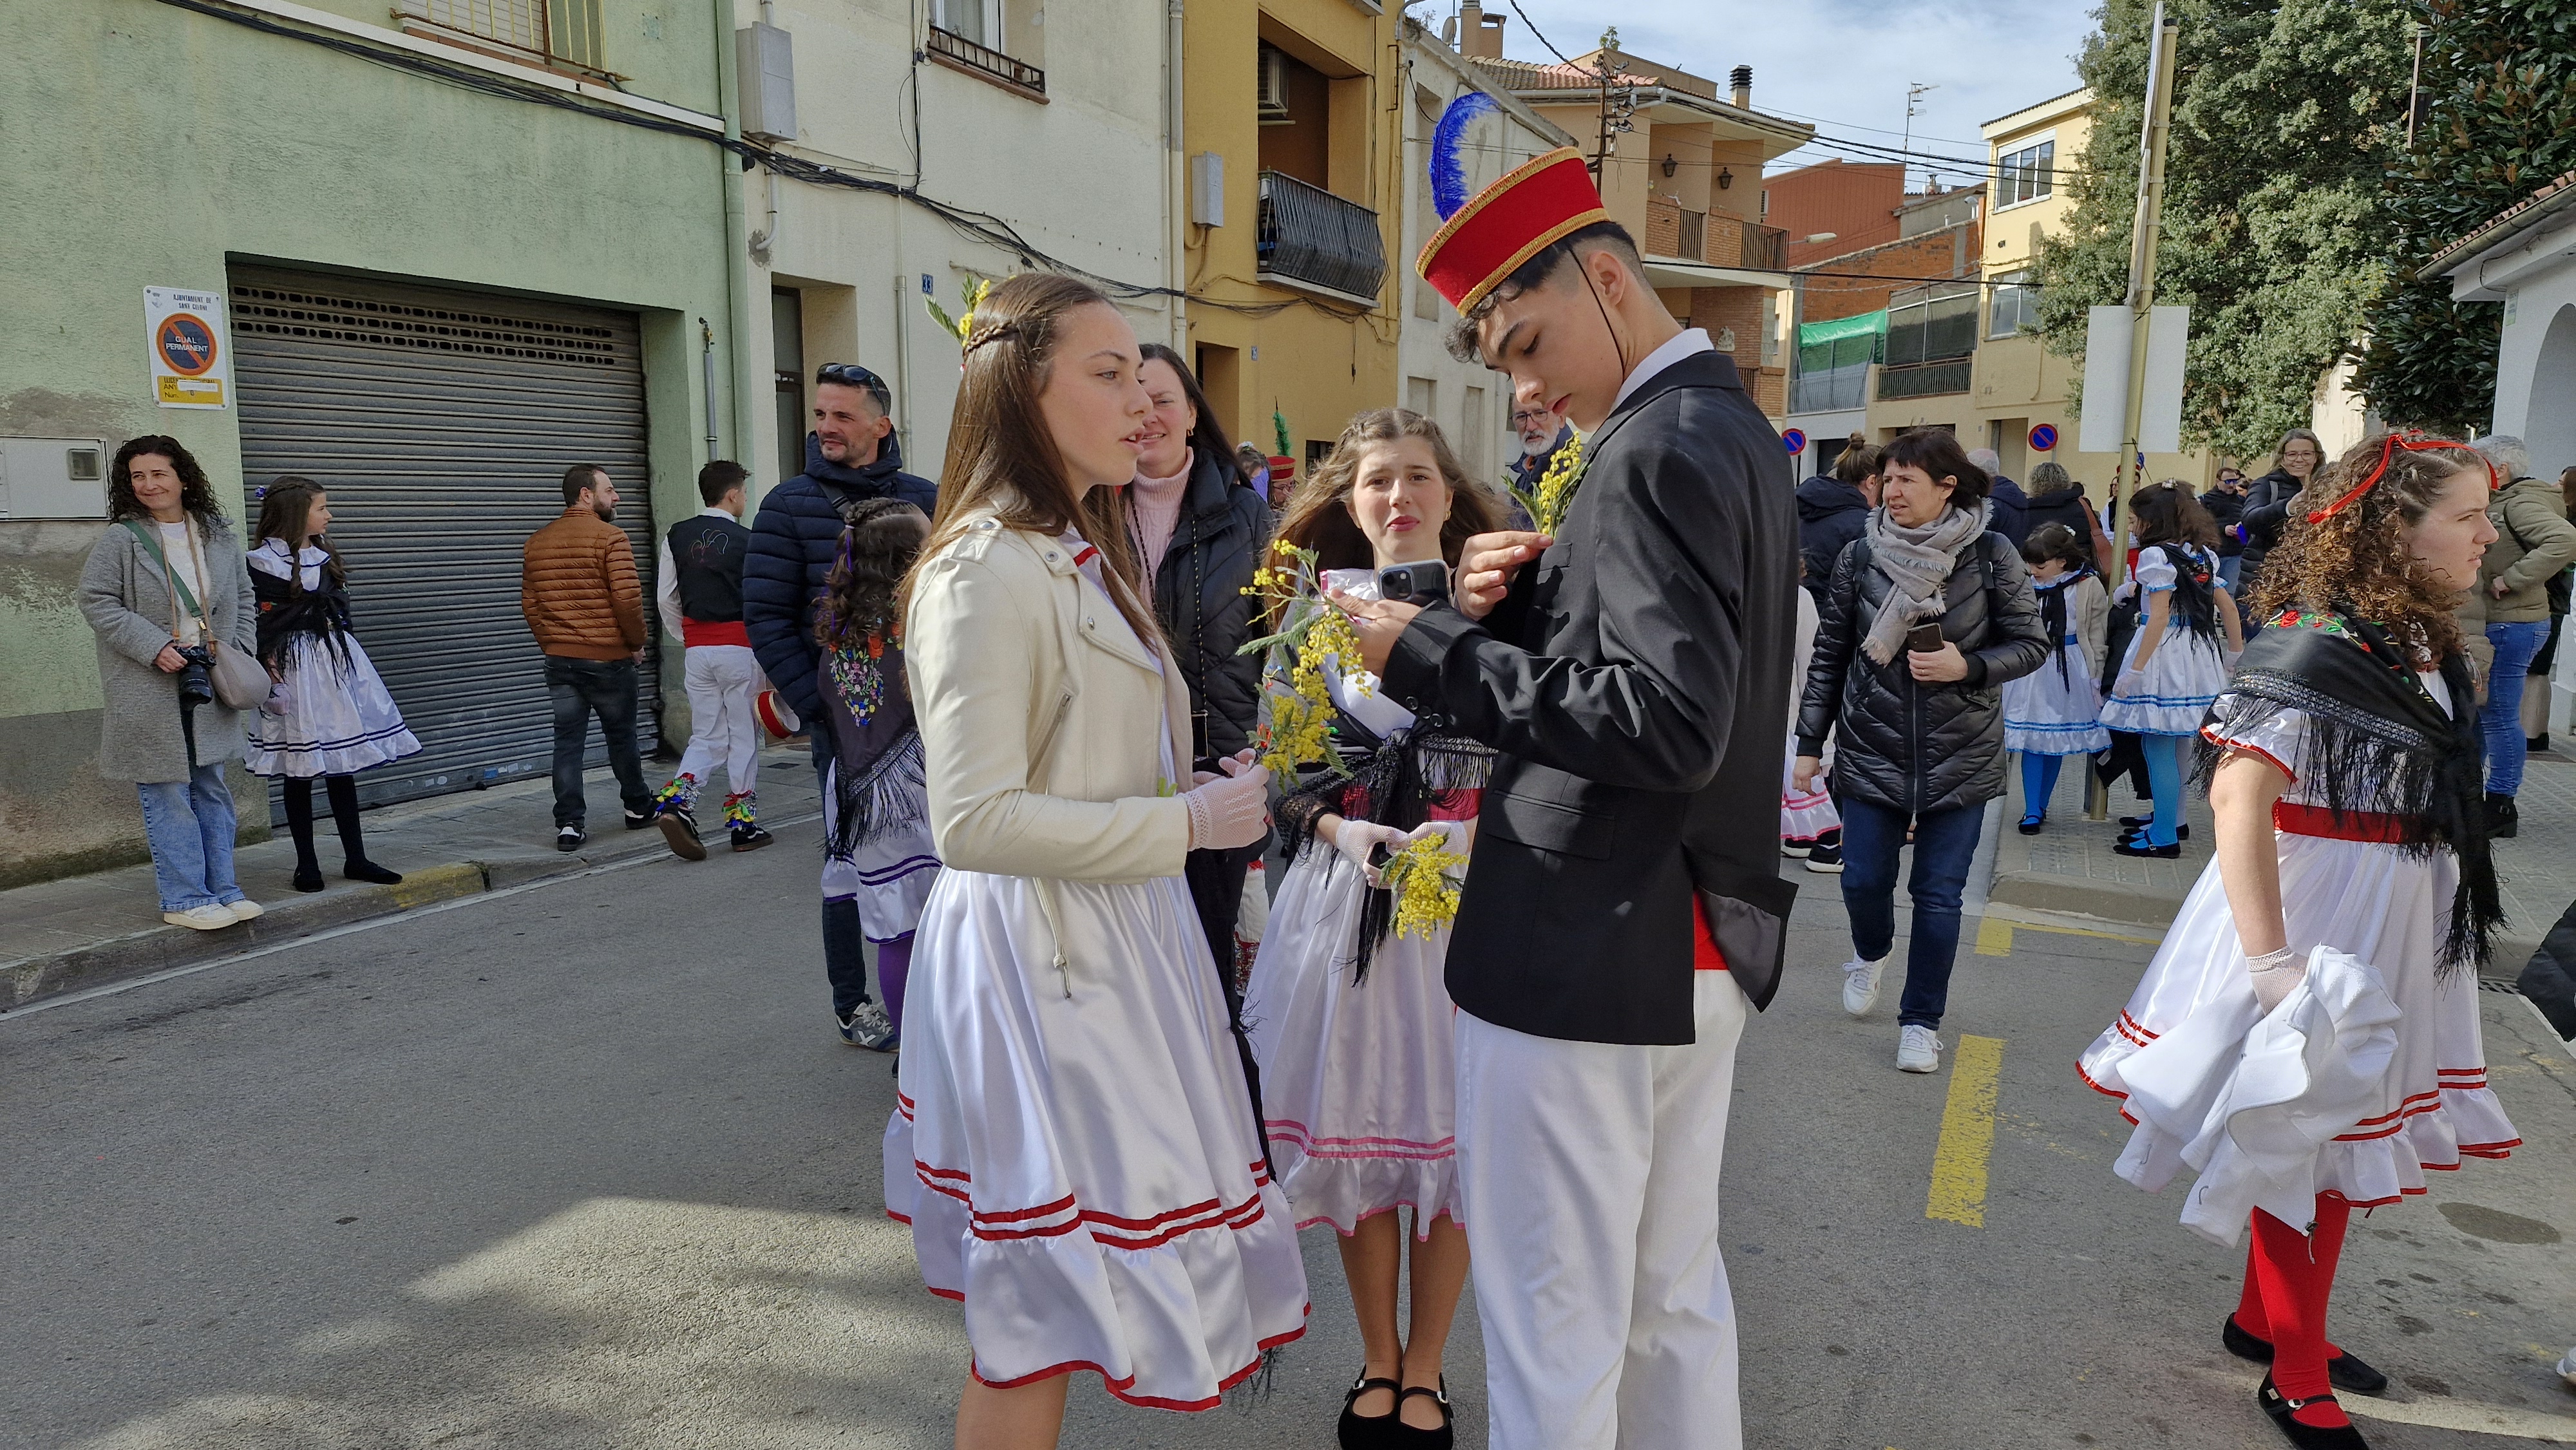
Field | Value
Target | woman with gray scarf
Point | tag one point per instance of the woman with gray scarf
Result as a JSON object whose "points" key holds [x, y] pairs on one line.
{"points": [[1925, 616]]}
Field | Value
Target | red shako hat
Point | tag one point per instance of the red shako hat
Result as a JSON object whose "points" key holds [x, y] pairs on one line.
{"points": [[1532, 207]]}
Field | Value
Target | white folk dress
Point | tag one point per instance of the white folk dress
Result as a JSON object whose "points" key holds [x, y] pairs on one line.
{"points": [[2174, 692], [1076, 1151], [2057, 708], [1806, 816], [336, 716], [1358, 1080], [2381, 905]]}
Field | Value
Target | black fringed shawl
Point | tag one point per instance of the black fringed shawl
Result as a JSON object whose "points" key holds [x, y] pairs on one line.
{"points": [[877, 780], [2054, 602], [2195, 598], [2376, 742], [1393, 782], [287, 609]]}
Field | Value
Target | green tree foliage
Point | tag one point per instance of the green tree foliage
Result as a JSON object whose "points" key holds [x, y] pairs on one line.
{"points": [[2502, 78], [2286, 119]]}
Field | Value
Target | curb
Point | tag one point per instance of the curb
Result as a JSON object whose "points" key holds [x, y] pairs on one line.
{"points": [[2074, 896], [161, 946]]}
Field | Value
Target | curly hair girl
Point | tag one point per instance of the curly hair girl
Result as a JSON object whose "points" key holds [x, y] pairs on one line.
{"points": [[863, 595], [2355, 559]]}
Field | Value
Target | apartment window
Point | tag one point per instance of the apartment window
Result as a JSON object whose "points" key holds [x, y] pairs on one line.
{"points": [[978, 38], [2027, 174], [2015, 308], [1931, 325], [559, 32], [979, 21], [1422, 395]]}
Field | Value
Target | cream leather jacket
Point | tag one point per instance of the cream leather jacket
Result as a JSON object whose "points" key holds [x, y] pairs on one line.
{"points": [[1042, 717]]}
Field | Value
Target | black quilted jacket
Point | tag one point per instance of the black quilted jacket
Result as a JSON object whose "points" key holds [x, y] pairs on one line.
{"points": [[1906, 745], [1199, 593]]}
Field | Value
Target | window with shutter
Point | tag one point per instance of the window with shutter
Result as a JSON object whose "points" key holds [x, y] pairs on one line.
{"points": [[558, 32]]}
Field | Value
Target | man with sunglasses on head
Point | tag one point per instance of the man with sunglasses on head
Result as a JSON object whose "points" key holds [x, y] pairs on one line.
{"points": [[850, 457]]}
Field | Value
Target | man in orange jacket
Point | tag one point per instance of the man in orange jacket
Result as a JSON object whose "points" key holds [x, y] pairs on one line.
{"points": [[578, 589]]}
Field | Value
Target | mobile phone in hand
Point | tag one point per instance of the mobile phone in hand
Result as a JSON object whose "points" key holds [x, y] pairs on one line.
{"points": [[1923, 639], [1423, 583]]}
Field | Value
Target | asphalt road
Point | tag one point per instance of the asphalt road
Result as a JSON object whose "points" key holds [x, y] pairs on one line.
{"points": [[584, 1166]]}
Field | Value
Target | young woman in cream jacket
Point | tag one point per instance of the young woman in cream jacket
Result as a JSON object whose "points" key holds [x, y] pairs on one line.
{"points": [[1076, 1145]]}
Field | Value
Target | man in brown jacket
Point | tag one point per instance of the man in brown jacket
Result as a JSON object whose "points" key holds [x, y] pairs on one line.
{"points": [[578, 589]]}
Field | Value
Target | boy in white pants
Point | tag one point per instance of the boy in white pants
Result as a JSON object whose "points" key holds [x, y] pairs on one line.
{"points": [[700, 600]]}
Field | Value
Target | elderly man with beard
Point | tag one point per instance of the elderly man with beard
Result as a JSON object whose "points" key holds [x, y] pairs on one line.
{"points": [[578, 589]]}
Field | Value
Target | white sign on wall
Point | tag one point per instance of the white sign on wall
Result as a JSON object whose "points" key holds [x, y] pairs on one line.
{"points": [[2108, 338], [191, 356]]}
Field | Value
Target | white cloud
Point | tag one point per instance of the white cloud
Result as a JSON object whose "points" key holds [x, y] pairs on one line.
{"points": [[1842, 63]]}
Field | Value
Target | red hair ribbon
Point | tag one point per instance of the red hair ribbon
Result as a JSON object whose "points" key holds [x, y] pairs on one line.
{"points": [[2411, 441]]}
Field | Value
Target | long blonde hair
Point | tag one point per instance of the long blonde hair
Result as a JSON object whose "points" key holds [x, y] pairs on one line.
{"points": [[1002, 460], [1319, 513]]}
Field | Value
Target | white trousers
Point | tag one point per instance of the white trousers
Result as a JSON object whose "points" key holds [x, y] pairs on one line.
{"points": [[1590, 1174], [722, 679]]}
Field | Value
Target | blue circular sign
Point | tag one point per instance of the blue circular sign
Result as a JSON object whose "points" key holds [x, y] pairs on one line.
{"points": [[2043, 437], [1794, 440]]}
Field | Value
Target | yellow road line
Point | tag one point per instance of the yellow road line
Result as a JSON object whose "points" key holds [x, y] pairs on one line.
{"points": [[1994, 937], [1967, 1133]]}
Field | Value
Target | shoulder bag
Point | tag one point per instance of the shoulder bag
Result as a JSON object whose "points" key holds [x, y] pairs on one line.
{"points": [[241, 682]]}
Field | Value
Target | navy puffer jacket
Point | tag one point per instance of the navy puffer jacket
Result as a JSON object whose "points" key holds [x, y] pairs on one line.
{"points": [[793, 541]]}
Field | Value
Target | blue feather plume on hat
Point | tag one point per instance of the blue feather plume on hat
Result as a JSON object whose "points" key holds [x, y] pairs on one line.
{"points": [[1448, 166]]}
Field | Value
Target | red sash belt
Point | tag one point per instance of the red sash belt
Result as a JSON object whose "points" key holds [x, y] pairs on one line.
{"points": [[713, 631], [2295, 819]]}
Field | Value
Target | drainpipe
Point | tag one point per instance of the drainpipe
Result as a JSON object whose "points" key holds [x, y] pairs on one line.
{"points": [[737, 264], [1176, 193]]}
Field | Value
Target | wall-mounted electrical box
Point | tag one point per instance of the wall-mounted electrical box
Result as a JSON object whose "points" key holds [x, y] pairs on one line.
{"points": [[1207, 189], [765, 73], [53, 478]]}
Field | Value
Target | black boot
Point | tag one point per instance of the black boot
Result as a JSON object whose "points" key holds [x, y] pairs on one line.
{"points": [[299, 823], [353, 845], [2504, 819]]}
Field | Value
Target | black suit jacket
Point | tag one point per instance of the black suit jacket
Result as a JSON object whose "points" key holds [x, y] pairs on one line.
{"points": [[1636, 680]]}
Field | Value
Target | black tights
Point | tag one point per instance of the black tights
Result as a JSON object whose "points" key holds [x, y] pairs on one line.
{"points": [[343, 793]]}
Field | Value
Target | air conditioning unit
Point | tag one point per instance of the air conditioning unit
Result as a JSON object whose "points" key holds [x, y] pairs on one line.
{"points": [[765, 74], [1272, 106]]}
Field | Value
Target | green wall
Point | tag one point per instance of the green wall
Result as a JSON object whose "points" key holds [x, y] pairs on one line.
{"points": [[151, 146]]}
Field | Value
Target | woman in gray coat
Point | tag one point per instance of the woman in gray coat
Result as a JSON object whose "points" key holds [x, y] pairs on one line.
{"points": [[175, 760]]}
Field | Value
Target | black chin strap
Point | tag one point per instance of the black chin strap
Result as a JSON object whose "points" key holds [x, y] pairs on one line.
{"points": [[1616, 346]]}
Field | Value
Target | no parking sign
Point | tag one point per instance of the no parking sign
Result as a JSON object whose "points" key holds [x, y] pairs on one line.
{"points": [[1795, 440], [2043, 437], [184, 333]]}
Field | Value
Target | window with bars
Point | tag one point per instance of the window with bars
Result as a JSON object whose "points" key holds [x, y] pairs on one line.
{"points": [[2027, 174], [560, 32]]}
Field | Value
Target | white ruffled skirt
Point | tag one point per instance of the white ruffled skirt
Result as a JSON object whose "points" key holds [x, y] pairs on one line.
{"points": [[1358, 1082], [337, 721], [1083, 1170], [2173, 693], [1805, 815], [890, 873], [2388, 909], [2057, 709]]}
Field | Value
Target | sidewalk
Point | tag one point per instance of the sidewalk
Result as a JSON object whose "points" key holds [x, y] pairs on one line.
{"points": [[87, 931], [2067, 874]]}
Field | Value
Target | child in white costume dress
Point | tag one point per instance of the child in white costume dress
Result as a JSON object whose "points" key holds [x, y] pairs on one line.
{"points": [[1087, 1167], [2178, 660], [1351, 1024], [1810, 827], [2372, 867], [2056, 710]]}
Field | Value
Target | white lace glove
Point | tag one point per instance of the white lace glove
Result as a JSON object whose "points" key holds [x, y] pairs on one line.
{"points": [[2128, 682], [1229, 813], [1358, 840], [2275, 975]]}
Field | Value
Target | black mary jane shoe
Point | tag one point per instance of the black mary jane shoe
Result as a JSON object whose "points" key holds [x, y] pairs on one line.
{"points": [[1414, 1438], [1368, 1432], [2307, 1437], [308, 880], [2030, 824], [2345, 1370], [2137, 846], [2139, 832]]}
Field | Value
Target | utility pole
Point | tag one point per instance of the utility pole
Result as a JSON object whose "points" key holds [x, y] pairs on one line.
{"points": [[2140, 300], [1608, 67]]}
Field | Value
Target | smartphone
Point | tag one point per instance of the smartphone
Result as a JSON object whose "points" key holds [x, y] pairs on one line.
{"points": [[1923, 639], [1423, 583]]}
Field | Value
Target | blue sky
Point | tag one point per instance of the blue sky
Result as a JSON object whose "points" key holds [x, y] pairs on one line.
{"points": [[1843, 63]]}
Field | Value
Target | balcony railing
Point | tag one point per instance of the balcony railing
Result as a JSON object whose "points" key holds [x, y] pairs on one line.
{"points": [[1714, 238], [1925, 380], [1830, 390], [1309, 235], [985, 61]]}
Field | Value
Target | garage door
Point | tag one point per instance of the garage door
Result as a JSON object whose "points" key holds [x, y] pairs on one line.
{"points": [[441, 423]]}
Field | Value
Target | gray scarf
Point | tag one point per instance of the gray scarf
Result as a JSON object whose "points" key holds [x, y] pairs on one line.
{"points": [[1917, 563]]}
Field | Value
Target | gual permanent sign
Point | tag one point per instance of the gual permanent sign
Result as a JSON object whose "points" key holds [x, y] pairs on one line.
{"points": [[184, 332]]}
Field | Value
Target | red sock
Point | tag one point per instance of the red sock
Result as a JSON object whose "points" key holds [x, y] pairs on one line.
{"points": [[2249, 1305], [2325, 1248], [2294, 1287]]}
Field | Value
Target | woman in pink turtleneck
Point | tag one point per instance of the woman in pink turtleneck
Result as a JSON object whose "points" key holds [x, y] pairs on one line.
{"points": [[1199, 534]]}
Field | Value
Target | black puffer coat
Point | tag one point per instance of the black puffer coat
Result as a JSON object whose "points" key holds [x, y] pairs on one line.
{"points": [[1198, 592], [2268, 503], [1910, 746]]}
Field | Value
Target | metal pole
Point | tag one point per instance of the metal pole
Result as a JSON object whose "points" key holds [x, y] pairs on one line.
{"points": [[2128, 477]]}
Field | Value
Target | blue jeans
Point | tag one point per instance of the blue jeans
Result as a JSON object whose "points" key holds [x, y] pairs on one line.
{"points": [[578, 689], [1944, 842], [2164, 781], [190, 825], [2228, 566], [2500, 720]]}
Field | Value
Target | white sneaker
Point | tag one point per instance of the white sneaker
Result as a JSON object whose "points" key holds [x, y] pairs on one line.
{"points": [[245, 909], [1918, 1049], [2567, 1369], [1860, 985], [210, 917]]}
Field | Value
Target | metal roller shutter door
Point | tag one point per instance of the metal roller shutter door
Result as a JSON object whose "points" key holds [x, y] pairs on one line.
{"points": [[441, 423]]}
